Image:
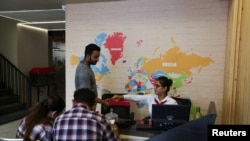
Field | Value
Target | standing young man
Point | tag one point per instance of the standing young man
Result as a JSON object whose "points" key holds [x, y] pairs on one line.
{"points": [[84, 75]]}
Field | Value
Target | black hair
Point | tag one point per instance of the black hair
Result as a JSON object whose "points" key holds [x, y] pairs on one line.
{"points": [[55, 103], [85, 95], [90, 48], [165, 82], [38, 113]]}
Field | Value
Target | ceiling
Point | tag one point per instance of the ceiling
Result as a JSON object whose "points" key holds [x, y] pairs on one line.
{"points": [[47, 14]]}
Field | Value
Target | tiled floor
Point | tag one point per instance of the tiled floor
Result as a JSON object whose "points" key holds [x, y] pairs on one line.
{"points": [[8, 130]]}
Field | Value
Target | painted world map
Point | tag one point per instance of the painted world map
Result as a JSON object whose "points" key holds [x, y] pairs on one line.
{"points": [[172, 63]]}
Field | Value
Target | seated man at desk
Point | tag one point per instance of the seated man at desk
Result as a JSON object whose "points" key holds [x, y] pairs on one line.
{"points": [[82, 122]]}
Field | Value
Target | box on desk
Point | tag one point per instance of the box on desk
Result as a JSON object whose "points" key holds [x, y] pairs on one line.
{"points": [[42, 75]]}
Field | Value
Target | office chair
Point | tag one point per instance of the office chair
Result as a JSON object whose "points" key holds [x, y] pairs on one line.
{"points": [[182, 101]]}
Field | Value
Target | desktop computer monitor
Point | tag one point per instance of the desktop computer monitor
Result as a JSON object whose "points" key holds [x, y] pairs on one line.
{"points": [[193, 130], [165, 117]]}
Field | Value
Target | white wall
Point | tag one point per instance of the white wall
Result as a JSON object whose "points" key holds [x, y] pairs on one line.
{"points": [[32, 48], [33, 52], [196, 27], [8, 41]]}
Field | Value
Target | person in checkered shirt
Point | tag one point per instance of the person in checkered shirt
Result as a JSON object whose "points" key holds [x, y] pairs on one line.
{"points": [[82, 122]]}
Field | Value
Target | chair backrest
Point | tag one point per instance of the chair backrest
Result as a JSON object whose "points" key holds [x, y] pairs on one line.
{"points": [[212, 108], [183, 101]]}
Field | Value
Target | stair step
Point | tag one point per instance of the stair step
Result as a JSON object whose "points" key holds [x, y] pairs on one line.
{"points": [[2, 85], [10, 108], [5, 91], [7, 99], [13, 116]]}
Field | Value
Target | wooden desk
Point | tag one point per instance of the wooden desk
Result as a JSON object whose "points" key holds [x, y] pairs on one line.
{"points": [[193, 130], [131, 133], [132, 138]]}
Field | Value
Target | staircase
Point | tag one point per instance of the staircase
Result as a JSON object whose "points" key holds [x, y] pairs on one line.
{"points": [[11, 108], [14, 92]]}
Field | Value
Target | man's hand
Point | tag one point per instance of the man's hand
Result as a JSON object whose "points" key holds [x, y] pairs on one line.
{"points": [[105, 102], [117, 97]]}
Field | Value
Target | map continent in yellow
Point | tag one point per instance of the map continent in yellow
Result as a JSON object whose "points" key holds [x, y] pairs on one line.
{"points": [[175, 61]]}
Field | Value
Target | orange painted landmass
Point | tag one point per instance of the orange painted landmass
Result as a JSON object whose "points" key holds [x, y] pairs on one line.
{"points": [[175, 61]]}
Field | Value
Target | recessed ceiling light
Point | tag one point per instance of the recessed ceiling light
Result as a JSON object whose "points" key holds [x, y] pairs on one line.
{"points": [[23, 11], [49, 22]]}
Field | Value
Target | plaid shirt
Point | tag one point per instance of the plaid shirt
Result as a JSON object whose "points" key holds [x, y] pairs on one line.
{"points": [[40, 132], [80, 124]]}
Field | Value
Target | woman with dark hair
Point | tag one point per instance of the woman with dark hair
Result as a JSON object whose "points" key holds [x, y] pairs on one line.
{"points": [[37, 124], [161, 87]]}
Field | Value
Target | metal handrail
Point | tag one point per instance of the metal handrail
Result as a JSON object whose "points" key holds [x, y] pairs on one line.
{"points": [[13, 79]]}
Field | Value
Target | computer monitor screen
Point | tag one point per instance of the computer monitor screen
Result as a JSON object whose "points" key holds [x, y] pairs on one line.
{"points": [[169, 116], [193, 130]]}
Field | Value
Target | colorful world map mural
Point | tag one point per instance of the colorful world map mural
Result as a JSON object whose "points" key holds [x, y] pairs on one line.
{"points": [[173, 63]]}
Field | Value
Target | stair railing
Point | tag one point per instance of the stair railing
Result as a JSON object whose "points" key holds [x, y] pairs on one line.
{"points": [[15, 80]]}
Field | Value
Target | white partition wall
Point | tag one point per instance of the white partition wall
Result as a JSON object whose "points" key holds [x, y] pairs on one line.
{"points": [[142, 39]]}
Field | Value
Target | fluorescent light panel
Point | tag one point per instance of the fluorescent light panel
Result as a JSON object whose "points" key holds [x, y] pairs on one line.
{"points": [[13, 18], [23, 22], [32, 27], [25, 11], [50, 22]]}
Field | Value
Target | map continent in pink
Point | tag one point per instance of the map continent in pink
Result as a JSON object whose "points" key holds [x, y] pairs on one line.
{"points": [[115, 45]]}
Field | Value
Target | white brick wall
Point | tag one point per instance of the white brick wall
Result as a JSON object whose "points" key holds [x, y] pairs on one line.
{"points": [[197, 26]]}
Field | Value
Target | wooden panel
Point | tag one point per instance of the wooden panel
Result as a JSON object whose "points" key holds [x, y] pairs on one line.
{"points": [[243, 88], [237, 77], [231, 61]]}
